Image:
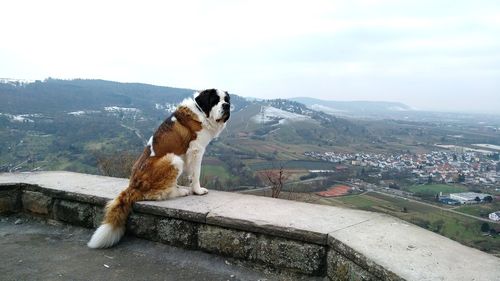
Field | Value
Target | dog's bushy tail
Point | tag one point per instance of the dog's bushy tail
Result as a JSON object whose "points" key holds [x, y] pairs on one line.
{"points": [[113, 226]]}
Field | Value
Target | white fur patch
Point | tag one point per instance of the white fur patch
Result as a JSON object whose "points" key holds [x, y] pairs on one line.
{"points": [[106, 236], [191, 104], [176, 161], [150, 144], [173, 119]]}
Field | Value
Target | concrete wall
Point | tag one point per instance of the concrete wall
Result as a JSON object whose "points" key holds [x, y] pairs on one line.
{"points": [[295, 237]]}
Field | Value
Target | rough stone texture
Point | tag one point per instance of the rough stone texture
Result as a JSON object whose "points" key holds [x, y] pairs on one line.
{"points": [[228, 242], [74, 213], [36, 202], [98, 215], [292, 255], [10, 199], [364, 261], [178, 233], [339, 268], [280, 253], [143, 226], [297, 220], [6, 204]]}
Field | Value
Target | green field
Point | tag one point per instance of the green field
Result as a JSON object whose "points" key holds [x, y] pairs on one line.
{"points": [[294, 164], [433, 189], [377, 202], [210, 171], [480, 210], [460, 228], [359, 202]]}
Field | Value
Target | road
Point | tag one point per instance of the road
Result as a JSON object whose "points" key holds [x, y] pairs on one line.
{"points": [[136, 131]]}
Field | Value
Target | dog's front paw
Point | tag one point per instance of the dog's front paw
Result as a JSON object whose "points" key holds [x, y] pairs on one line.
{"points": [[183, 191], [187, 189], [200, 191]]}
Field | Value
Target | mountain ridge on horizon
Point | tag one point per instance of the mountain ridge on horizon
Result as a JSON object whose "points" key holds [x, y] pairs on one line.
{"points": [[364, 105], [333, 107], [338, 105]]}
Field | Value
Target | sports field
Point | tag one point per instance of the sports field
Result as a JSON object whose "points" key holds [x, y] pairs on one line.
{"points": [[433, 189], [480, 210]]}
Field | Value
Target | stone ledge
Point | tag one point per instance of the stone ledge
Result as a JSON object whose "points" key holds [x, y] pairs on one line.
{"points": [[291, 255], [326, 240], [10, 198], [36, 202]]}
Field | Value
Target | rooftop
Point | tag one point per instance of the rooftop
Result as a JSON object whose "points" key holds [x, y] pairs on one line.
{"points": [[469, 195]]}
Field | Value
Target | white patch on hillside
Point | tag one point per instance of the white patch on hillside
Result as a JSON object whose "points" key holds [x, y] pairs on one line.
{"points": [[16, 82], [269, 113], [121, 109], [397, 108], [76, 113], [26, 118], [82, 112], [168, 107], [20, 118], [488, 146], [325, 109], [125, 113]]}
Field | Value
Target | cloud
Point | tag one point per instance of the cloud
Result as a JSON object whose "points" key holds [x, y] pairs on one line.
{"points": [[360, 49]]}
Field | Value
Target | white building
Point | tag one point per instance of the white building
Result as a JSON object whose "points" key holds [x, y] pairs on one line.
{"points": [[495, 216], [468, 197]]}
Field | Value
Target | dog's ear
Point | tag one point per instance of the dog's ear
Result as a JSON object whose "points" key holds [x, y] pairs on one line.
{"points": [[206, 100]]}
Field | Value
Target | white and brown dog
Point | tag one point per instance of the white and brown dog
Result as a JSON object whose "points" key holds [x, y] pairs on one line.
{"points": [[177, 146]]}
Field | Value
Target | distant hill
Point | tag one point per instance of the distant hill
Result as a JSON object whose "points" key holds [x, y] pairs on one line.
{"points": [[70, 124], [65, 124], [353, 108], [56, 95], [70, 95]]}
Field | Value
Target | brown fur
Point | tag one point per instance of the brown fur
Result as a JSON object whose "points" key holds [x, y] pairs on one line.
{"points": [[174, 137], [155, 178]]}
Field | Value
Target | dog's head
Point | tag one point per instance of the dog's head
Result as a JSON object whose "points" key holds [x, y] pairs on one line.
{"points": [[215, 104]]}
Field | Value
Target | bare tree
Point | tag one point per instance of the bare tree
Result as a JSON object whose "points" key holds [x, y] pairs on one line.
{"points": [[276, 179], [118, 164]]}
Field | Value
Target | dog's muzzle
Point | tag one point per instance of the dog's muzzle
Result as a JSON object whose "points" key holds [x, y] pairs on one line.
{"points": [[226, 112]]}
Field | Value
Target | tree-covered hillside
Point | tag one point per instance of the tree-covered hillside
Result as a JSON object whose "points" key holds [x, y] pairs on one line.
{"points": [[91, 125]]}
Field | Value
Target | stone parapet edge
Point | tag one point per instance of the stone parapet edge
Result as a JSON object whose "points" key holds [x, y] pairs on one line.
{"points": [[337, 260]]}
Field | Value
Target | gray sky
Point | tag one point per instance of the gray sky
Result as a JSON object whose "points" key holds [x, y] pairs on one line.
{"points": [[436, 54]]}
